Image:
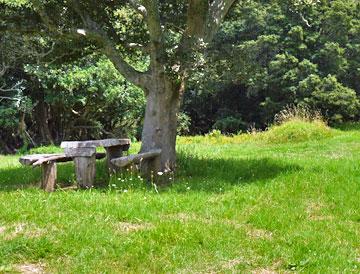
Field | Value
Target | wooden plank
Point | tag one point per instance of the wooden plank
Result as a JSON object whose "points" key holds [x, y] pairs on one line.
{"points": [[38, 159], [135, 158], [115, 142], [85, 169], [30, 159], [49, 176], [51, 158], [80, 152], [98, 155], [95, 143]]}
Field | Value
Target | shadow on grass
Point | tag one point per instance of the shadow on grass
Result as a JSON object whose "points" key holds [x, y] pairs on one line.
{"points": [[198, 174], [213, 174], [351, 126], [21, 177]]}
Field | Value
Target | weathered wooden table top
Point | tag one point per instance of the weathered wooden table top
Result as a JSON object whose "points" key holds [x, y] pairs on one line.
{"points": [[95, 143]]}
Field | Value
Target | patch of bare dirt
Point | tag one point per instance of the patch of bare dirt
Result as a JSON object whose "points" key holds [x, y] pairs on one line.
{"points": [[2, 229], [263, 271], [314, 207], [313, 211], [321, 218], [229, 265], [27, 230], [132, 227], [269, 270], [222, 267], [188, 217], [251, 231], [233, 223], [259, 233], [29, 268]]}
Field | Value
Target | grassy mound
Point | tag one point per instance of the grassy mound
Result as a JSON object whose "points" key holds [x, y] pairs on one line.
{"points": [[296, 130], [293, 130]]}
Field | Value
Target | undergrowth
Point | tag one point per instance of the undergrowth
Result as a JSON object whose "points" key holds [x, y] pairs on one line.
{"points": [[292, 125]]}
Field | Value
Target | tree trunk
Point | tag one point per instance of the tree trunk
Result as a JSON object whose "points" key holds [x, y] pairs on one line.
{"points": [[159, 131], [42, 116]]}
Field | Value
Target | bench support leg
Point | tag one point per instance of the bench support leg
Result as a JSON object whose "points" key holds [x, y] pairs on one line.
{"points": [[49, 176], [112, 153], [85, 168]]}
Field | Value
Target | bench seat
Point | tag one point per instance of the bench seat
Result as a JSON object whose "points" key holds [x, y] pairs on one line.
{"points": [[48, 164]]}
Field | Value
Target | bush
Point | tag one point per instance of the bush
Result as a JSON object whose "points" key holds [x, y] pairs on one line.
{"points": [[184, 122], [230, 124], [337, 102]]}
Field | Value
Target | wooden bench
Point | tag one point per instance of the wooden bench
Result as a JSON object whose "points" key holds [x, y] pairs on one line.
{"points": [[135, 158], [49, 168]]}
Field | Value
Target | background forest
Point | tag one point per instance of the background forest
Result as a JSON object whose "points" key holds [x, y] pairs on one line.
{"points": [[268, 54]]}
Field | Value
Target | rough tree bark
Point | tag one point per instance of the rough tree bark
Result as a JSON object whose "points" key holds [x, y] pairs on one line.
{"points": [[42, 117], [159, 130]]}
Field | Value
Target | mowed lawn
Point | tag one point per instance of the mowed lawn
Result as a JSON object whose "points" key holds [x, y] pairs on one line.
{"points": [[234, 207]]}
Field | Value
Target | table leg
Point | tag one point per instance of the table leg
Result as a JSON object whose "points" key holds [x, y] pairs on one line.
{"points": [[85, 169], [112, 153], [49, 176]]}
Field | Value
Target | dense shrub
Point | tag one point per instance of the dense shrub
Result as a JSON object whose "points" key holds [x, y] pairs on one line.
{"points": [[184, 122], [230, 124], [337, 102]]}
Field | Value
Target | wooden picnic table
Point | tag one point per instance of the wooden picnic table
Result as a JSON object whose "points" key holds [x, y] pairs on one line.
{"points": [[84, 155]]}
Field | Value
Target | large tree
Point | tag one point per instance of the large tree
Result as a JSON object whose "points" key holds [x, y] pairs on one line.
{"points": [[168, 35]]}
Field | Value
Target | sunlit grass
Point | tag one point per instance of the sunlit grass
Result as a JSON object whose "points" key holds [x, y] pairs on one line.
{"points": [[293, 130], [234, 206]]}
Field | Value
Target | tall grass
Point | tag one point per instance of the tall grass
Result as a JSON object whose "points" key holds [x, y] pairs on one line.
{"points": [[300, 113], [292, 125]]}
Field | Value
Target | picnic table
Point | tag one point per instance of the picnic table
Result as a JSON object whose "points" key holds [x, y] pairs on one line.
{"points": [[84, 155]]}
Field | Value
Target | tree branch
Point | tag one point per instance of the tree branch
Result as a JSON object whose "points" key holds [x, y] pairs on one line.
{"points": [[95, 32], [39, 8], [136, 5], [204, 18], [9, 98], [203, 21], [157, 51], [218, 10], [140, 47], [3, 69], [153, 20], [15, 87], [197, 14]]}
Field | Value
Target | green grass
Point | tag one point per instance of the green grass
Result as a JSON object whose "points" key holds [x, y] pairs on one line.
{"points": [[249, 206]]}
